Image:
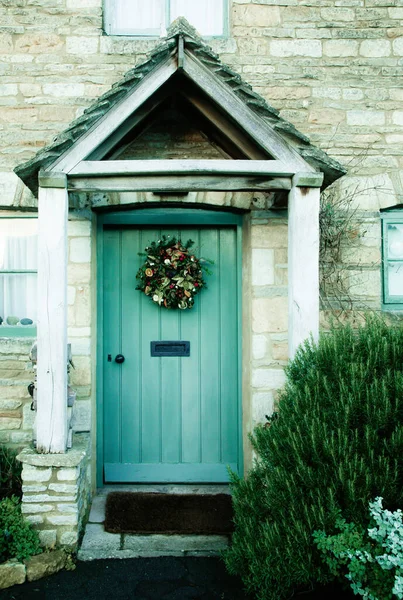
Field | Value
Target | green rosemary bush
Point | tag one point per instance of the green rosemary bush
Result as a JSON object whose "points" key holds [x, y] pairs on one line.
{"points": [[337, 444], [17, 538]]}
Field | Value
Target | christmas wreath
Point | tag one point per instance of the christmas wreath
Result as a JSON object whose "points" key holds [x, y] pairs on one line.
{"points": [[171, 275]]}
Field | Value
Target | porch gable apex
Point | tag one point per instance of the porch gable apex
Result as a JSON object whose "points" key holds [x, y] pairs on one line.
{"points": [[182, 52]]}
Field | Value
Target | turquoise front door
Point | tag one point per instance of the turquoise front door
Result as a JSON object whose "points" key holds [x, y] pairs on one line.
{"points": [[170, 418]]}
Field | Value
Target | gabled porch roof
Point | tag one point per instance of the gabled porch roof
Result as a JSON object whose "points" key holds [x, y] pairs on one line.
{"points": [[181, 61]]}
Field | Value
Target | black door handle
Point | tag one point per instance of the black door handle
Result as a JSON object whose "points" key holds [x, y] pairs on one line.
{"points": [[119, 359]]}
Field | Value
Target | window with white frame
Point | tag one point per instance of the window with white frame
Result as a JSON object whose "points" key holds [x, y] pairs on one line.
{"points": [[18, 272], [392, 234], [153, 17]]}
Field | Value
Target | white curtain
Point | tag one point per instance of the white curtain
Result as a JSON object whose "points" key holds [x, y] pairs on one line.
{"points": [[141, 15], [18, 290], [207, 16]]}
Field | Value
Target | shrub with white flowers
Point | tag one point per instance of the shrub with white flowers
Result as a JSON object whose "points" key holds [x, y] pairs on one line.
{"points": [[371, 560]]}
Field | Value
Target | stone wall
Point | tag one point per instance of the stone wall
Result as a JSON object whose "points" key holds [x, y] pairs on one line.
{"points": [[332, 68], [16, 416], [56, 492]]}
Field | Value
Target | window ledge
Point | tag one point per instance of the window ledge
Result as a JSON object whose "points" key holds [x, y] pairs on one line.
{"points": [[17, 331]]}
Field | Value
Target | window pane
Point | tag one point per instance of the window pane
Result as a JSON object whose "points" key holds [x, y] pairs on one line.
{"points": [[18, 244], [18, 251], [395, 274], [18, 297], [138, 15], [395, 241], [207, 16]]}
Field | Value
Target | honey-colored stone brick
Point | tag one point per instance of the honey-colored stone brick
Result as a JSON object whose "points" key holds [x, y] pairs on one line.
{"points": [[275, 236], [269, 315]]}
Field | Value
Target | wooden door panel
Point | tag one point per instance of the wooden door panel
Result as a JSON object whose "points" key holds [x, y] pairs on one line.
{"points": [[170, 418]]}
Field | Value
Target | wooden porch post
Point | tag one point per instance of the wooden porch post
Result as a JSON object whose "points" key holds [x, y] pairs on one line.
{"points": [[51, 420], [303, 259]]}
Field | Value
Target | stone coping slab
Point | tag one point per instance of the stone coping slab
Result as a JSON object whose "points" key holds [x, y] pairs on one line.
{"points": [[72, 458]]}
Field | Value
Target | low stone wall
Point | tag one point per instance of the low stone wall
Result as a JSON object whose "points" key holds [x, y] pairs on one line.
{"points": [[57, 492], [16, 416]]}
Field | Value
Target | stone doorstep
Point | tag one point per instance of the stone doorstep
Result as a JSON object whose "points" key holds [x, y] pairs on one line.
{"points": [[99, 544]]}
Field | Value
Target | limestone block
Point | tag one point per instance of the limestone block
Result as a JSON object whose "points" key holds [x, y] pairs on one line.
{"points": [[262, 267], [338, 14], [47, 498], [47, 538], [80, 250], [81, 375], [64, 90], [340, 48], [395, 13], [259, 346], [78, 228], [269, 315], [33, 509], [78, 273], [71, 295], [32, 489], [80, 332], [68, 508], [8, 185], [327, 92], [80, 4], [20, 437], [397, 117], [62, 519], [45, 564], [81, 45], [38, 43], [8, 89], [284, 48], [81, 346], [367, 118], [365, 283], [353, 94], [10, 423], [9, 404], [327, 116], [279, 351], [34, 519], [256, 15], [67, 474], [275, 236], [30, 473], [28, 416], [271, 379], [30, 90], [13, 391], [6, 43], [80, 312], [262, 405], [82, 416], [69, 538], [11, 573], [63, 488], [375, 48]]}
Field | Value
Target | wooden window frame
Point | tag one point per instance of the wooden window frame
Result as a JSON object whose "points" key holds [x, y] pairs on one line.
{"points": [[110, 29], [389, 303], [13, 331]]}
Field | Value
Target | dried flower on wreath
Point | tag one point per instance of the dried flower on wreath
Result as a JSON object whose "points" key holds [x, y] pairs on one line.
{"points": [[171, 275]]}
